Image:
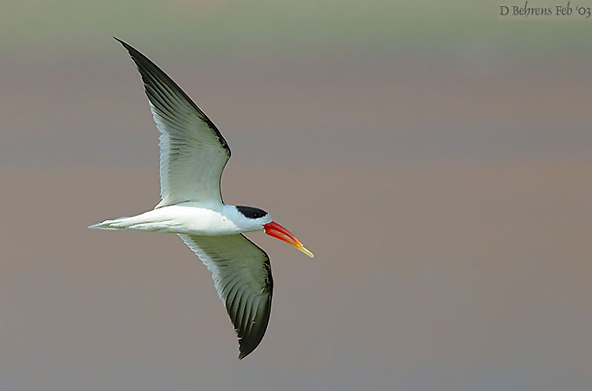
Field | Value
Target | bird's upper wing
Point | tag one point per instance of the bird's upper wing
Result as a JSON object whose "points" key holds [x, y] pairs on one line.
{"points": [[193, 153], [242, 275]]}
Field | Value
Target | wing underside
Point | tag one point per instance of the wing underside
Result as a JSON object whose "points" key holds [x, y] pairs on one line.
{"points": [[193, 153], [242, 276]]}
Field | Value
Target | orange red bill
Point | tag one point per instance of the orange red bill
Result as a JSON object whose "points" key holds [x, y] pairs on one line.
{"points": [[279, 232]]}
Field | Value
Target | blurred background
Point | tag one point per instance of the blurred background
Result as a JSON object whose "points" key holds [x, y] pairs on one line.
{"points": [[435, 156]]}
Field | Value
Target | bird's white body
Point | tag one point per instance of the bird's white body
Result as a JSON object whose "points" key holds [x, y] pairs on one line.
{"points": [[190, 218]]}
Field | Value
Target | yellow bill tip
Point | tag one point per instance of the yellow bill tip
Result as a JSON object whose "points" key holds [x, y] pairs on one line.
{"points": [[306, 251]]}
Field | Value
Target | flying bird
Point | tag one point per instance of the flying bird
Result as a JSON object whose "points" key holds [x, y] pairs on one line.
{"points": [[193, 155]]}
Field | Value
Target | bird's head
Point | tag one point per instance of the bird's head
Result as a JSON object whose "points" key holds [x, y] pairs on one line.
{"points": [[260, 219]]}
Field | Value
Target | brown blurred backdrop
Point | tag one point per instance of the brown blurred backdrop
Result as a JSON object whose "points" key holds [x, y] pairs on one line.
{"points": [[435, 157]]}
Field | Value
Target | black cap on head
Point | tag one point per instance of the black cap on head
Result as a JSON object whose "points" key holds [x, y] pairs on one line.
{"points": [[250, 212]]}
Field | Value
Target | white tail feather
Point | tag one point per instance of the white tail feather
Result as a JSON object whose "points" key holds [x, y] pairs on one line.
{"points": [[153, 221], [112, 224]]}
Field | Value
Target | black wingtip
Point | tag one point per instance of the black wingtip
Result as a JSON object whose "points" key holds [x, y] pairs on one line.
{"points": [[130, 49], [245, 351], [249, 343], [125, 44]]}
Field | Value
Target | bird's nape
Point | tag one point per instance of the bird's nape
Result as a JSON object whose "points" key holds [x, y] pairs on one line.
{"points": [[277, 231]]}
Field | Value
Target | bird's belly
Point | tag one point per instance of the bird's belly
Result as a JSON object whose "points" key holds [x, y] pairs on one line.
{"points": [[186, 219]]}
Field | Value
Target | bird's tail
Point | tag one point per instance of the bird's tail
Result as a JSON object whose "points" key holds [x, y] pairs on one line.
{"points": [[115, 224], [153, 221]]}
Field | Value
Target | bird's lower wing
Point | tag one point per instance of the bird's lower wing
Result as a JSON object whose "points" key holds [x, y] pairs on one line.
{"points": [[242, 275]]}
